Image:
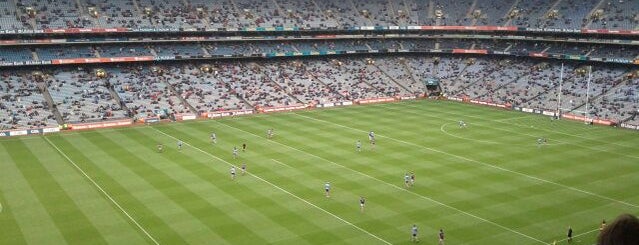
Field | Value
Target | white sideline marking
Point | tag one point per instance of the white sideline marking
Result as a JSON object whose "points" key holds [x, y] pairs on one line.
{"points": [[512, 118], [485, 164], [0, 207], [277, 187], [271, 159], [482, 141], [541, 129], [578, 235], [396, 187], [102, 190]]}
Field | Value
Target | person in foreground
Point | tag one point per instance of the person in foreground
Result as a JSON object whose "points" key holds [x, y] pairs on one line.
{"points": [[624, 230]]}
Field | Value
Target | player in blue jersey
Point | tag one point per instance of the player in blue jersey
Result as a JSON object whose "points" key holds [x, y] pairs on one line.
{"points": [[327, 189], [243, 168], [441, 236]]}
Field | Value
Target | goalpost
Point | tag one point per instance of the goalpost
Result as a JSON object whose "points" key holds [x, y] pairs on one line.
{"points": [[587, 113], [561, 81]]}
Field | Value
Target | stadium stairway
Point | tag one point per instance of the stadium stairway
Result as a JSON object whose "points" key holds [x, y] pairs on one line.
{"points": [[234, 5], [184, 102], [136, 5], [80, 8], [630, 118], [589, 22], [483, 78], [517, 79], [267, 75], [552, 88], [619, 82], [117, 98], [52, 106], [470, 12], [359, 11], [452, 81], [393, 79], [34, 55], [409, 71], [510, 10], [233, 92], [547, 13], [153, 52], [325, 85], [325, 14]]}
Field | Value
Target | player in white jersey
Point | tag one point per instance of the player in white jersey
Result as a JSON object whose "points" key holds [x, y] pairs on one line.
{"points": [[179, 145], [462, 124], [269, 133], [243, 168], [541, 141], [327, 189], [234, 152], [407, 180], [232, 172], [362, 203], [213, 138], [160, 148], [413, 233], [358, 146], [371, 138]]}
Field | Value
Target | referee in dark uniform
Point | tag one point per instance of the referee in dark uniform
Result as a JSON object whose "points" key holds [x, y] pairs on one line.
{"points": [[569, 234]]}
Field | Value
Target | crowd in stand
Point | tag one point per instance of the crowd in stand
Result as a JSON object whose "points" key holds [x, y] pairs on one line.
{"points": [[139, 90], [79, 97], [21, 103], [192, 14], [261, 48]]}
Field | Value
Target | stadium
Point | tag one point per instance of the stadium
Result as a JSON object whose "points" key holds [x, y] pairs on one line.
{"points": [[319, 122]]}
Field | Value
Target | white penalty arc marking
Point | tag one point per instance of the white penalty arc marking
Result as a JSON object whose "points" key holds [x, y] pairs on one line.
{"points": [[485, 164], [524, 126], [464, 138], [103, 191], [277, 187], [546, 130], [397, 187]]}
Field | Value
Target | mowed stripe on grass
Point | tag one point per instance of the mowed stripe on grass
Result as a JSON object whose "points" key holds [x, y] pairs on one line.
{"points": [[187, 196]]}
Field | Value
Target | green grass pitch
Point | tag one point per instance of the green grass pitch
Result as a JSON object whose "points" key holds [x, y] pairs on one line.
{"points": [[488, 183]]}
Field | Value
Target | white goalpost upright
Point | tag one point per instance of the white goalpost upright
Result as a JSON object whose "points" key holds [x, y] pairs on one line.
{"points": [[587, 113], [561, 80]]}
